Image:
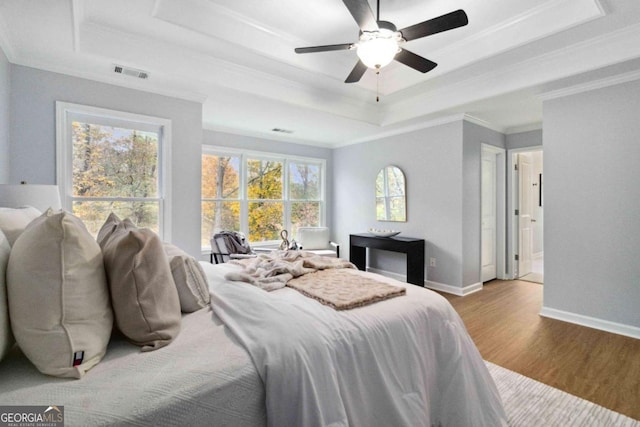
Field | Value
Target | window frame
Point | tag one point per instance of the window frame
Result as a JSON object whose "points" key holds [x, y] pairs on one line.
{"points": [[67, 112], [244, 155]]}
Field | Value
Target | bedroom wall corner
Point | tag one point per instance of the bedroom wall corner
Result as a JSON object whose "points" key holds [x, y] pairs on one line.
{"points": [[592, 204], [32, 132], [431, 159], [5, 120]]}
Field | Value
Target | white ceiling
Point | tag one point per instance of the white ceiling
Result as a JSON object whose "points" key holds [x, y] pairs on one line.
{"points": [[236, 56]]}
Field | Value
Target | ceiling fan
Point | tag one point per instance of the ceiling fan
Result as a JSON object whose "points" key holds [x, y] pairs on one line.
{"points": [[380, 41]]}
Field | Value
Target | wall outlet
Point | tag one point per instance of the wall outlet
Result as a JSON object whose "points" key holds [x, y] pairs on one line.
{"points": [[432, 262]]}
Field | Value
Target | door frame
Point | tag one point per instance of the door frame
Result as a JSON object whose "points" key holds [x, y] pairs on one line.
{"points": [[501, 200], [513, 202]]}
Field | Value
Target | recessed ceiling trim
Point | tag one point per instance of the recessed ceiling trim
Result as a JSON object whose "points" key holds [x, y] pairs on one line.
{"points": [[480, 122], [615, 47], [114, 42], [211, 20], [77, 16], [534, 24]]}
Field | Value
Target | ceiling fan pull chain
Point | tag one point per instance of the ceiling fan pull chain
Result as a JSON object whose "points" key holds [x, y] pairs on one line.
{"points": [[378, 85]]}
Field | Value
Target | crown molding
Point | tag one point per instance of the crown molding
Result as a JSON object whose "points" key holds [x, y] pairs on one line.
{"points": [[524, 128], [116, 80], [480, 122], [592, 85], [405, 129]]}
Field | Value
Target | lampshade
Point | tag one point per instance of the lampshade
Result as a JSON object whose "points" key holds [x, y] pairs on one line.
{"points": [[41, 197]]}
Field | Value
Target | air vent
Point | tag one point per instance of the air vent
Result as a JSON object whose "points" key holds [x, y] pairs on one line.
{"points": [[279, 130], [131, 72]]}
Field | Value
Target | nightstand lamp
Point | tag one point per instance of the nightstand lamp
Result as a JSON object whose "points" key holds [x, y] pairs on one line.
{"points": [[41, 197]]}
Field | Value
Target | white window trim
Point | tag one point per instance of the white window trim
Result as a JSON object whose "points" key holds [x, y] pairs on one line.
{"points": [[215, 150], [64, 112]]}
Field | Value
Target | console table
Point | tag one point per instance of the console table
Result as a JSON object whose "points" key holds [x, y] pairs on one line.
{"points": [[414, 248]]}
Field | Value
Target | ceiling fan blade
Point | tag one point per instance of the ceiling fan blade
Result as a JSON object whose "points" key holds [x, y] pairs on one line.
{"points": [[362, 13], [356, 73], [436, 25], [327, 48], [414, 61]]}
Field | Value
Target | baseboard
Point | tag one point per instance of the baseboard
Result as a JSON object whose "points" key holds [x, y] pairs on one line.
{"points": [[454, 290], [591, 322]]}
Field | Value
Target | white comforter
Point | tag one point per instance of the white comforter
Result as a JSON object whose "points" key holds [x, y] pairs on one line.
{"points": [[407, 361]]}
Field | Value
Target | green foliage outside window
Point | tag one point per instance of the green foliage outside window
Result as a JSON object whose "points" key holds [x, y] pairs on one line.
{"points": [[111, 165], [264, 196]]}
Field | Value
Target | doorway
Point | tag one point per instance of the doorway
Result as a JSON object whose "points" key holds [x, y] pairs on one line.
{"points": [[493, 223], [528, 217]]}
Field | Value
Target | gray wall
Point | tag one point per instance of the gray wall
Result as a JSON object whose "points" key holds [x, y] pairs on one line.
{"points": [[524, 139], [222, 139], [592, 204], [33, 128], [432, 160], [5, 84]]}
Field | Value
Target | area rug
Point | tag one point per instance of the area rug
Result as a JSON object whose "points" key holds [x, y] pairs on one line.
{"points": [[530, 403]]}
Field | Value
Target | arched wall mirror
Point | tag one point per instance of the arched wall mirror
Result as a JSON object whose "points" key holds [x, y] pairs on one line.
{"points": [[391, 204]]}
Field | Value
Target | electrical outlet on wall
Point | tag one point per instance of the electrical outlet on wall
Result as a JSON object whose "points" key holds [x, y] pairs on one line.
{"points": [[432, 262]]}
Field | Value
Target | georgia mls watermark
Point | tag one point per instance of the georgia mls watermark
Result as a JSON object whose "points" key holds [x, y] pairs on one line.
{"points": [[31, 416]]}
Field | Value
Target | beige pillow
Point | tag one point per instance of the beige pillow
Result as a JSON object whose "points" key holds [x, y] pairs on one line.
{"points": [[145, 300], [58, 296], [189, 277], [107, 228], [14, 221], [6, 338]]}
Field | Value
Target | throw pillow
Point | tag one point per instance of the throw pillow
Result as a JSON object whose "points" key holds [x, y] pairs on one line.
{"points": [[58, 296], [6, 338], [107, 228], [14, 221], [189, 277], [144, 297]]}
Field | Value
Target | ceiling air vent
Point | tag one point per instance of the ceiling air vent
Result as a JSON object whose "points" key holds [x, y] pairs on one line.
{"points": [[281, 130], [131, 72]]}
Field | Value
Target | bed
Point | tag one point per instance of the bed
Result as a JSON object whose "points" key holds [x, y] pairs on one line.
{"points": [[404, 361]]}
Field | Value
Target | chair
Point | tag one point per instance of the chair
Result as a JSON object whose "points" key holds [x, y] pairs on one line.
{"points": [[227, 245], [316, 240]]}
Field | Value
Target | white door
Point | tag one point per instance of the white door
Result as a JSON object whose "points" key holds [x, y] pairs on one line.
{"points": [[489, 215], [525, 230]]}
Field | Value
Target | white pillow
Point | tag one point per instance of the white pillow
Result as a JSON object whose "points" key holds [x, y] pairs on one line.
{"points": [[58, 296], [189, 277], [6, 338], [14, 221]]}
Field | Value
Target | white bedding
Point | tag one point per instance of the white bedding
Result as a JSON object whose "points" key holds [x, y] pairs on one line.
{"points": [[203, 378], [407, 361]]}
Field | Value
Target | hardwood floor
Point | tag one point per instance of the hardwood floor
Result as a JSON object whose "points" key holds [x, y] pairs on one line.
{"points": [[598, 366]]}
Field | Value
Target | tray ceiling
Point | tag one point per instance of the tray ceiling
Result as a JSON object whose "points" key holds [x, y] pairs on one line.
{"points": [[237, 58]]}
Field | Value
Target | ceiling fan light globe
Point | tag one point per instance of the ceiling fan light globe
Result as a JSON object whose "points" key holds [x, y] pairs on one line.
{"points": [[377, 52]]}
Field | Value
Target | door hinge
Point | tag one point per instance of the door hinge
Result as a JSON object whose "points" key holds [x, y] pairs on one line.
{"points": [[517, 212], [517, 257], [515, 166]]}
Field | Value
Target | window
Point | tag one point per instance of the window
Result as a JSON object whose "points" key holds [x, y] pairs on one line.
{"points": [[109, 161], [259, 194]]}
